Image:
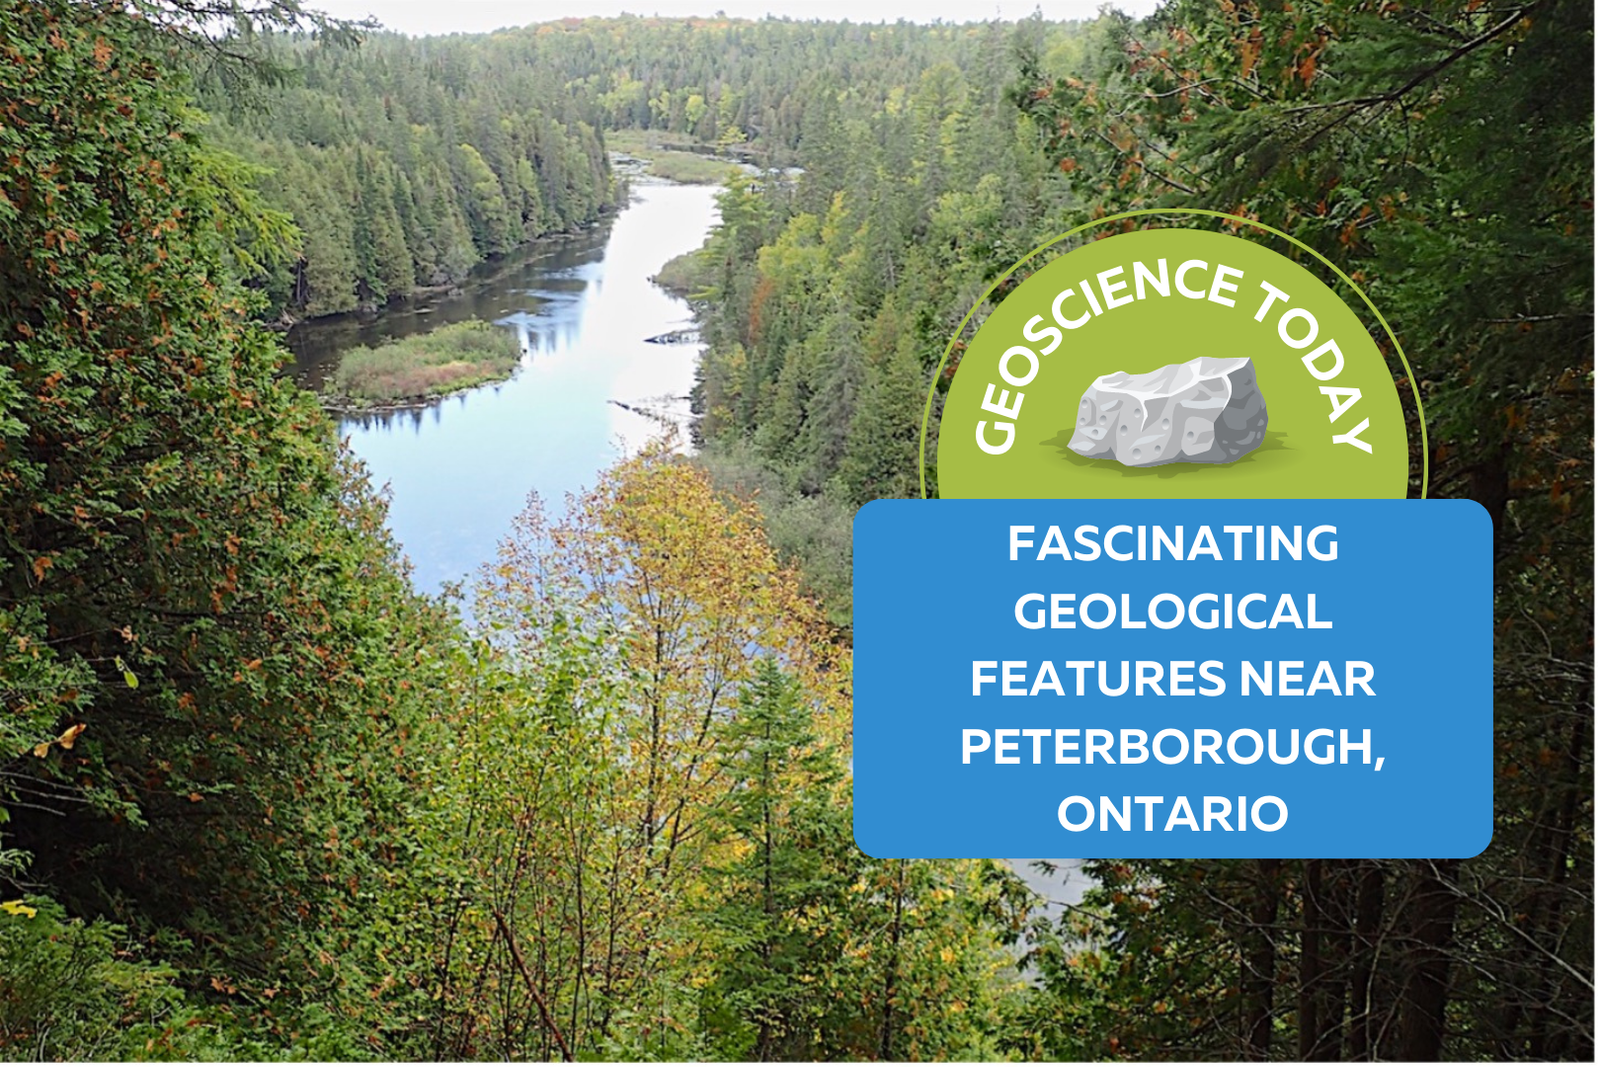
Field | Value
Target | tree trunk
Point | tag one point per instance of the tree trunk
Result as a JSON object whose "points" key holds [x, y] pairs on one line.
{"points": [[1335, 904], [1310, 957], [1543, 1044], [1320, 1007], [892, 971], [1258, 962], [1433, 915], [1363, 961]]}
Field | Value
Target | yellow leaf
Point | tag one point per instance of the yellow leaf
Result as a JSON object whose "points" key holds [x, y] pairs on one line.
{"points": [[70, 736], [17, 907]]}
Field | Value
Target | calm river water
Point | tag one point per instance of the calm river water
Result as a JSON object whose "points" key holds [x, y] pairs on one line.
{"points": [[583, 308]]}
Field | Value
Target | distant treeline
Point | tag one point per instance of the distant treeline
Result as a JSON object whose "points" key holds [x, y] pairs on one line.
{"points": [[728, 81], [405, 161]]}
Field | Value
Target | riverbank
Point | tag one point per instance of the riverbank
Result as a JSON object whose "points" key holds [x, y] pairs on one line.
{"points": [[286, 320]]}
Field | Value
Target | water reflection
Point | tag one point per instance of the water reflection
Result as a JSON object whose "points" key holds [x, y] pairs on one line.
{"points": [[550, 281]]}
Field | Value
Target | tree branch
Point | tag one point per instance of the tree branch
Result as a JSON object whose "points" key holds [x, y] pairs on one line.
{"points": [[544, 1009]]}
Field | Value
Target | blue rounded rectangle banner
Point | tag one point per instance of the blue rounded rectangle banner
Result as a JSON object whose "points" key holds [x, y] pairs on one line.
{"points": [[1207, 678]]}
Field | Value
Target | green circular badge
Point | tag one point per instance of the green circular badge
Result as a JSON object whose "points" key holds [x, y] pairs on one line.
{"points": [[1173, 363]]}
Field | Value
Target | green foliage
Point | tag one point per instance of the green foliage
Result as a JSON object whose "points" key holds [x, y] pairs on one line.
{"points": [[734, 82], [680, 275], [71, 990], [211, 667], [689, 168], [441, 361], [809, 533], [615, 823], [790, 865], [1441, 154], [914, 195], [642, 823], [232, 730], [403, 164], [674, 159]]}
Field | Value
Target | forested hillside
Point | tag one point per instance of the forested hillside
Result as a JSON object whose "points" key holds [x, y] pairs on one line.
{"points": [[404, 162], [259, 799], [1441, 155], [824, 299]]}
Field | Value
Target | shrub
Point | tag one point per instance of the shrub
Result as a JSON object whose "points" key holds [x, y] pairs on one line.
{"points": [[73, 990]]}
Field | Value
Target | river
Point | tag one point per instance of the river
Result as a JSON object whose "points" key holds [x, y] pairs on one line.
{"points": [[583, 308]]}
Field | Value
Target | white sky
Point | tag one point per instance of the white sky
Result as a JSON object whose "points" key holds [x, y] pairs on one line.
{"points": [[479, 16]]}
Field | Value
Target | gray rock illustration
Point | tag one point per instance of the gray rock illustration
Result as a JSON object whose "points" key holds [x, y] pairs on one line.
{"points": [[1207, 410]]}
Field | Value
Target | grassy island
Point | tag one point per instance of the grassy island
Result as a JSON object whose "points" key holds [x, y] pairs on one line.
{"points": [[671, 158], [447, 359]]}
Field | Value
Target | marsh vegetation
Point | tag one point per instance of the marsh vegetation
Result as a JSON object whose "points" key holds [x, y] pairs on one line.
{"points": [[422, 366]]}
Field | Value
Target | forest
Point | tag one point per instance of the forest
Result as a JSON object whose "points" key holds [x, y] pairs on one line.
{"points": [[260, 799]]}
